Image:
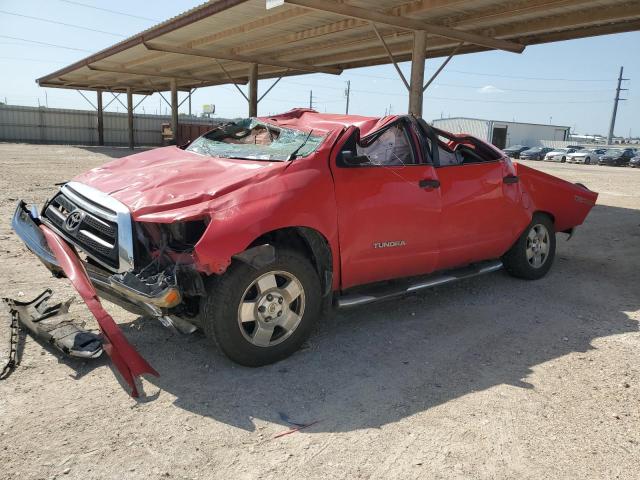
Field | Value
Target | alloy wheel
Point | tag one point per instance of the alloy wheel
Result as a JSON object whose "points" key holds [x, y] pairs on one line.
{"points": [[537, 245], [271, 308]]}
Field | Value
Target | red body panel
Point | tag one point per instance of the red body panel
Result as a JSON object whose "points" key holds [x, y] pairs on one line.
{"points": [[568, 203], [473, 216], [127, 360], [386, 204], [481, 215]]}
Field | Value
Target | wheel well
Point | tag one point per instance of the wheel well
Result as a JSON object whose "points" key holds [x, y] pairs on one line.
{"points": [[307, 241], [550, 215]]}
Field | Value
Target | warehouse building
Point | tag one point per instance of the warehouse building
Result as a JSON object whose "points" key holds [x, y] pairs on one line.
{"points": [[503, 134]]}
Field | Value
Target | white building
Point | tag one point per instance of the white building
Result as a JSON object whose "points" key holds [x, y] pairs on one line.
{"points": [[503, 134]]}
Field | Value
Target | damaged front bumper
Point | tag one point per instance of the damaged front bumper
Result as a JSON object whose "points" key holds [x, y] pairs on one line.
{"points": [[124, 289], [61, 258]]}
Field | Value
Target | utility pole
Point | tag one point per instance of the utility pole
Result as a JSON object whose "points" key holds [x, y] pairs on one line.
{"points": [[615, 106], [310, 98], [347, 92]]}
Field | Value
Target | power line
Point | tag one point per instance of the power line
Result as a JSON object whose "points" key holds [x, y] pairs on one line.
{"points": [[41, 60], [46, 44], [464, 72], [46, 20], [530, 78], [506, 89], [115, 12]]}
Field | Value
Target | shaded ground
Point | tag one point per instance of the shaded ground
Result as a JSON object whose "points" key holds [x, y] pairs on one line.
{"points": [[489, 378]]}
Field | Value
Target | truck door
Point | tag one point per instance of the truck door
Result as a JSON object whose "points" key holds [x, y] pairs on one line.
{"points": [[480, 201], [388, 202]]}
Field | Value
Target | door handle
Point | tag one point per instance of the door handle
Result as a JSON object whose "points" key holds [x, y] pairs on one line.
{"points": [[511, 179], [429, 183]]}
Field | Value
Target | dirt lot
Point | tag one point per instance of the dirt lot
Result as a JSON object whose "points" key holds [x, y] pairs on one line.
{"points": [[490, 378]]}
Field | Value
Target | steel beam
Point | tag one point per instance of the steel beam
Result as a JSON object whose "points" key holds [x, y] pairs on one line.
{"points": [[174, 110], [407, 24], [418, 58], [258, 59], [253, 90], [100, 119], [130, 116], [147, 73]]}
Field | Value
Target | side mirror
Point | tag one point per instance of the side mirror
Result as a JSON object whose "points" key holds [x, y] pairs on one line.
{"points": [[354, 160]]}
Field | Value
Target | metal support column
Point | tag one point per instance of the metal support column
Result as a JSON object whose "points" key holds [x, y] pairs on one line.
{"points": [[174, 110], [100, 119], [417, 72], [253, 90], [130, 115]]}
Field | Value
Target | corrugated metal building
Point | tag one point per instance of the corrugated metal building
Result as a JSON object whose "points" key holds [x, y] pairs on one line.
{"points": [[80, 127], [503, 134]]}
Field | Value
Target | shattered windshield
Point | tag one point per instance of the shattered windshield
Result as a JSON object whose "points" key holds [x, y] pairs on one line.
{"points": [[255, 140]]}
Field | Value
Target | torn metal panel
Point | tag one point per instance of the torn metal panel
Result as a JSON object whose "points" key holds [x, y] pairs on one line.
{"points": [[127, 360]]}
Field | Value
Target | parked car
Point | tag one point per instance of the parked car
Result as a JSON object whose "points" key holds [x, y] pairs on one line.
{"points": [[586, 155], [635, 162], [558, 154], [617, 157], [514, 151], [535, 153], [256, 227]]}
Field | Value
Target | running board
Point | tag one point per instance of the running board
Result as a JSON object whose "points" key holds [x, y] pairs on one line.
{"points": [[378, 293]]}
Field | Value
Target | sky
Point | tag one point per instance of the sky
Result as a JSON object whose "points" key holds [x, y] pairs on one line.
{"points": [[568, 83]]}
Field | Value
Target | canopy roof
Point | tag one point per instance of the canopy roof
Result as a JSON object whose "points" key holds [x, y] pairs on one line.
{"points": [[216, 42]]}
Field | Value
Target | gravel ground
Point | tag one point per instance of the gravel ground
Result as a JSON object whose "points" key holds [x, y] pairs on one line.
{"points": [[492, 377]]}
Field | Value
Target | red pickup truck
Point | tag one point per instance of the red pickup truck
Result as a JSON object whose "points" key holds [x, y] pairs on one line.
{"points": [[251, 229]]}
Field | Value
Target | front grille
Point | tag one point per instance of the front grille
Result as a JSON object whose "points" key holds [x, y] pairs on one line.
{"points": [[96, 236]]}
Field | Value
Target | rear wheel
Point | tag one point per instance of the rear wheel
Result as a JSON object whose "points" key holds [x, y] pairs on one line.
{"points": [[587, 160], [260, 316], [564, 159], [532, 255]]}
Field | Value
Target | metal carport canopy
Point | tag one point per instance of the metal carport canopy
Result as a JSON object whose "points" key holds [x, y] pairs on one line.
{"points": [[241, 41]]}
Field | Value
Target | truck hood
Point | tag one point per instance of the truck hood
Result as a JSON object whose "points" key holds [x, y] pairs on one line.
{"points": [[171, 179]]}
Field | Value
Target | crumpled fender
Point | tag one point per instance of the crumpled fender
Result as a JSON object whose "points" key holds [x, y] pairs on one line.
{"points": [[126, 359]]}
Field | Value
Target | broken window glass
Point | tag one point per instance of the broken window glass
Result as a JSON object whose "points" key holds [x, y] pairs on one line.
{"points": [[251, 139]]}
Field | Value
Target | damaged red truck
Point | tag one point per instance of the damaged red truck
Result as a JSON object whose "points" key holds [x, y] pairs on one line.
{"points": [[252, 229]]}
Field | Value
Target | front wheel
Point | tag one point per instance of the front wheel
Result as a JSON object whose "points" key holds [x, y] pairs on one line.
{"points": [[260, 316], [564, 159], [532, 255], [587, 161]]}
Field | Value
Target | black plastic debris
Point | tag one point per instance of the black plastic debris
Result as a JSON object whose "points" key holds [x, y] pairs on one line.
{"points": [[54, 325]]}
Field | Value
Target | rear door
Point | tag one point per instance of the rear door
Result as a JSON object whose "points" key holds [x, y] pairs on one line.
{"points": [[481, 214], [388, 209]]}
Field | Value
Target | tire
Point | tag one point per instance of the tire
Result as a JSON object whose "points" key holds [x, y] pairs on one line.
{"points": [[564, 159], [587, 161], [528, 261], [249, 342]]}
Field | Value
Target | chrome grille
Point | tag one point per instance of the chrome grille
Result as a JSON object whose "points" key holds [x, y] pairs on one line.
{"points": [[95, 223]]}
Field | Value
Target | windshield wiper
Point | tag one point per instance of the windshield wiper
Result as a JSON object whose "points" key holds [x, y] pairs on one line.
{"points": [[294, 154]]}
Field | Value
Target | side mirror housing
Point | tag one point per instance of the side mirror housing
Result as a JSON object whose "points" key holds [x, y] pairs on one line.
{"points": [[354, 160]]}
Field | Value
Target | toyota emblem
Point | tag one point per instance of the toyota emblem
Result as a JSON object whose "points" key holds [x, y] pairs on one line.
{"points": [[73, 220]]}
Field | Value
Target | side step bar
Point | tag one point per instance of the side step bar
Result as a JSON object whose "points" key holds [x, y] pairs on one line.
{"points": [[378, 293]]}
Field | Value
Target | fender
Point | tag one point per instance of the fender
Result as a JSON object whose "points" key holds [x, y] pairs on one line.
{"points": [[300, 196]]}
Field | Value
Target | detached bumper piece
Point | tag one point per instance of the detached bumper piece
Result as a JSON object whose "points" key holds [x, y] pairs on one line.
{"points": [[61, 258], [54, 325]]}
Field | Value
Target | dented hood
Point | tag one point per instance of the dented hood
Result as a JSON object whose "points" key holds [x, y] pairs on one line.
{"points": [[171, 179]]}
